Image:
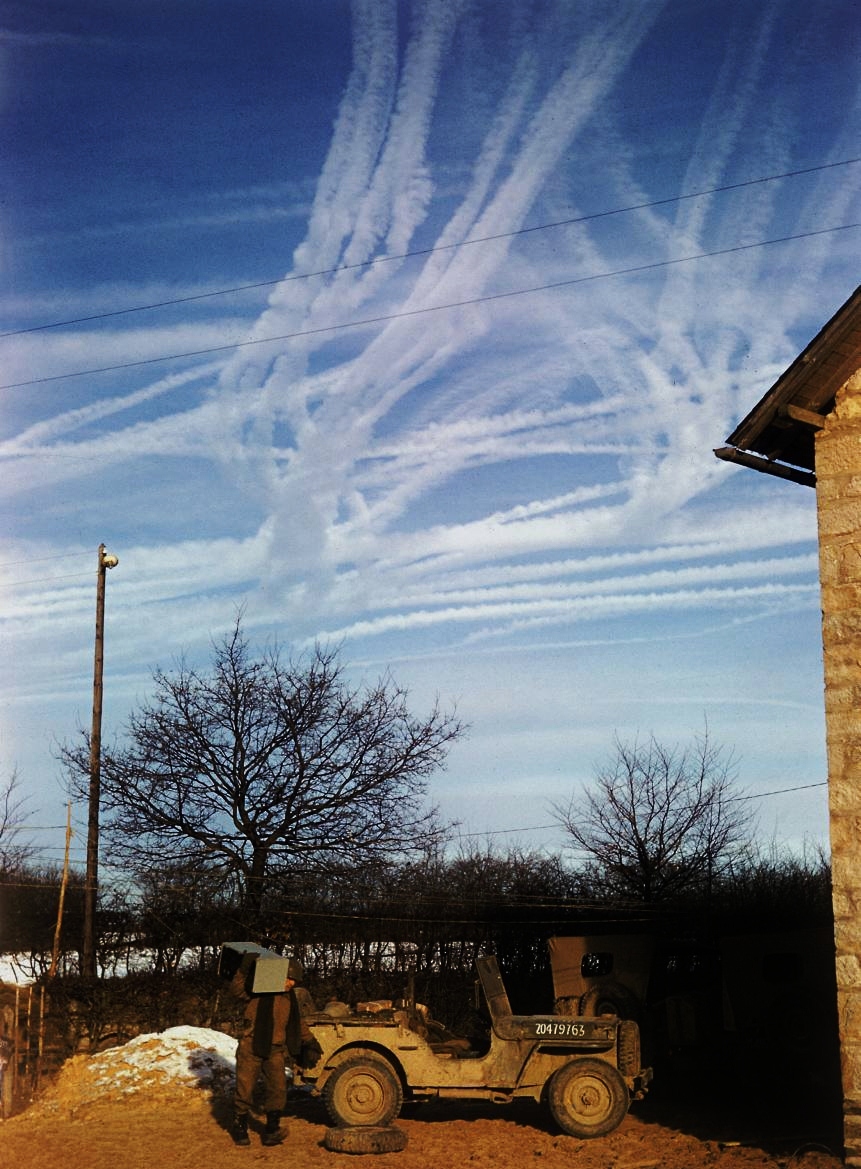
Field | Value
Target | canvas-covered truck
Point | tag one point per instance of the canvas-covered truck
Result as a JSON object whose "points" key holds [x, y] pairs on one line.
{"points": [[586, 1069]]}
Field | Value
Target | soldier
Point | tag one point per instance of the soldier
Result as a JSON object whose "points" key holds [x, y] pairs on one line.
{"points": [[273, 1030]]}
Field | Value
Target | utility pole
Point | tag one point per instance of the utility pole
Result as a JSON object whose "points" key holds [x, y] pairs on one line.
{"points": [[55, 954], [91, 883]]}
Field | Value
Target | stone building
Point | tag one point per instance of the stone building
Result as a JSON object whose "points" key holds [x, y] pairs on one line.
{"points": [[807, 428]]}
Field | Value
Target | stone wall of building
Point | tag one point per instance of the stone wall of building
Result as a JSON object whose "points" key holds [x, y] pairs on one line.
{"points": [[838, 495]]}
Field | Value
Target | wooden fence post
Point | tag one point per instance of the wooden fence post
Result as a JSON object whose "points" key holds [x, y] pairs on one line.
{"points": [[28, 1030], [40, 1047], [17, 1052]]}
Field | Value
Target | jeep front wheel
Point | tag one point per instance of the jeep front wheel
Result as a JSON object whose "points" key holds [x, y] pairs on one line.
{"points": [[363, 1090], [588, 1098]]}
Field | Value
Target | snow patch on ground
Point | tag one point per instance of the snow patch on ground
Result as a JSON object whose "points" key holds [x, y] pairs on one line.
{"points": [[190, 1054], [157, 1064]]}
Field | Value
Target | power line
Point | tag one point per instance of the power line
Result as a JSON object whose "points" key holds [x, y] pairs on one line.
{"points": [[778, 792], [44, 827], [505, 831], [430, 251], [405, 313], [562, 904], [546, 827], [39, 559], [44, 580]]}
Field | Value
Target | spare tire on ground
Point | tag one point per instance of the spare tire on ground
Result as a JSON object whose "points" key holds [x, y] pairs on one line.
{"points": [[360, 1138]]}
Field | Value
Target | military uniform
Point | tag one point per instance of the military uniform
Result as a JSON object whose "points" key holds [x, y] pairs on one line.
{"points": [[273, 1032]]}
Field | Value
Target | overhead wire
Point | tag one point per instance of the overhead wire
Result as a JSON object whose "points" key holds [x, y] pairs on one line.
{"points": [[408, 313], [591, 216], [779, 792], [39, 559], [44, 580]]}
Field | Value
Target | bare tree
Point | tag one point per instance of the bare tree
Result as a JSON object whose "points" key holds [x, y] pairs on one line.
{"points": [[262, 764], [14, 853], [660, 821]]}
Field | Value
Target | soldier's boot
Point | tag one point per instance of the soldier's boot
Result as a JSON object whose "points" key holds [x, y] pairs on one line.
{"points": [[273, 1134], [239, 1130]]}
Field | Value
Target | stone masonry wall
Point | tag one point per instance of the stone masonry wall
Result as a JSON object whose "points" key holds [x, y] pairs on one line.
{"points": [[838, 496]]}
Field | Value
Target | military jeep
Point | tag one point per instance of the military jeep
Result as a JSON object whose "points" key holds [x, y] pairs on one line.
{"points": [[587, 1070]]}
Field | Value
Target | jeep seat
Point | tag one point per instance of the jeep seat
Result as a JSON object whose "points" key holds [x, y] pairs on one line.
{"points": [[494, 988]]}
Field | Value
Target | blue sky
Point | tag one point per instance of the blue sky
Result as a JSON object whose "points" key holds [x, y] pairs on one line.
{"points": [[463, 421]]}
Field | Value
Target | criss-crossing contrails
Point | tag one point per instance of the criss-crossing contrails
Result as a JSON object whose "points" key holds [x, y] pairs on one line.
{"points": [[371, 451], [361, 446]]}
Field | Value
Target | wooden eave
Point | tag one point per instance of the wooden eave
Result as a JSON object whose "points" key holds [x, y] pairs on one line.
{"points": [[780, 429]]}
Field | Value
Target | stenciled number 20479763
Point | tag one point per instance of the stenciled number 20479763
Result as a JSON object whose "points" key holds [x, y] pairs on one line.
{"points": [[560, 1030]]}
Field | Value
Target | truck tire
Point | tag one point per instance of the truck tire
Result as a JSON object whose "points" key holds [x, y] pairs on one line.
{"points": [[629, 1056], [364, 1090], [365, 1139], [588, 1098], [609, 998]]}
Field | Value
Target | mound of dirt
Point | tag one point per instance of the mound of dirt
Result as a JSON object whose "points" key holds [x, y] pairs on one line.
{"points": [[155, 1065]]}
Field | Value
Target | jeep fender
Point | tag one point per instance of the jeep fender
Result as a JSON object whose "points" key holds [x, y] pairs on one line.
{"points": [[350, 1051]]}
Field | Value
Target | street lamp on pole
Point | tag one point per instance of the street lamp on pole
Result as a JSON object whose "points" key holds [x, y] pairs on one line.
{"points": [[91, 884]]}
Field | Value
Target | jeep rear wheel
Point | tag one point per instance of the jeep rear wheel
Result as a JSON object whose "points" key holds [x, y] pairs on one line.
{"points": [[588, 1098], [363, 1090]]}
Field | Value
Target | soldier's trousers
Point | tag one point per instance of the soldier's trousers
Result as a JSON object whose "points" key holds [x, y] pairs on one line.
{"points": [[250, 1068]]}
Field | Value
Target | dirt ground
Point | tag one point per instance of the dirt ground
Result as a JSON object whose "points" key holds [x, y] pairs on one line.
{"points": [[177, 1127]]}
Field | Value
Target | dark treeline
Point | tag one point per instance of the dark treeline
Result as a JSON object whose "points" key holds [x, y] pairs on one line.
{"points": [[371, 932]]}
